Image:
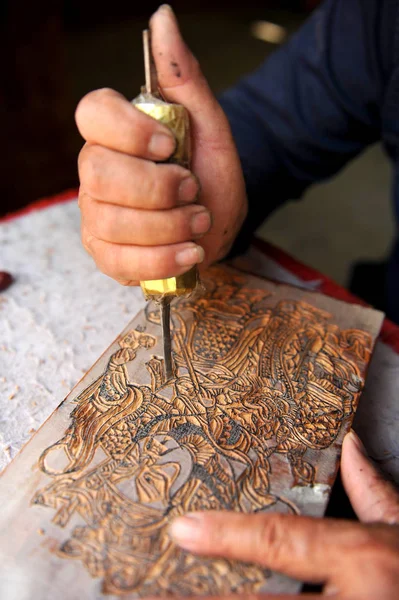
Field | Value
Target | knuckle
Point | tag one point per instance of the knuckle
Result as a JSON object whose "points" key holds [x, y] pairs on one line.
{"points": [[272, 537], [87, 102], [101, 97], [85, 202], [179, 227], [100, 218], [157, 187], [104, 94], [168, 179], [151, 186], [90, 103], [90, 169]]}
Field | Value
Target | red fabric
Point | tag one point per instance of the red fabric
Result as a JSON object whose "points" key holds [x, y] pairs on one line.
{"points": [[66, 196]]}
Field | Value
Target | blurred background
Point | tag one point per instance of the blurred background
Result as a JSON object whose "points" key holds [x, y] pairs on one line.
{"points": [[55, 51]]}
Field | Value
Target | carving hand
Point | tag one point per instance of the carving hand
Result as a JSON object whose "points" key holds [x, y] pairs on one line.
{"points": [[138, 217], [352, 560]]}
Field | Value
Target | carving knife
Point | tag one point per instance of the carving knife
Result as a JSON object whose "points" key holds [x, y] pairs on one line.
{"points": [[175, 116]]}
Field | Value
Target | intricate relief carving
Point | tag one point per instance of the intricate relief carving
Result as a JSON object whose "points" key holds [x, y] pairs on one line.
{"points": [[253, 381]]}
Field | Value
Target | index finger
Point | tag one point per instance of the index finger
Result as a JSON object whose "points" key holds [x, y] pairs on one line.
{"points": [[106, 118], [305, 548]]}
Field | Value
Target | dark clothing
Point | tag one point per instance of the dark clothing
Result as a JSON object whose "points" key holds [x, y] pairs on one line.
{"points": [[317, 102]]}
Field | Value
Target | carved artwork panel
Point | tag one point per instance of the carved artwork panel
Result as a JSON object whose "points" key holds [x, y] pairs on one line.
{"points": [[263, 386]]}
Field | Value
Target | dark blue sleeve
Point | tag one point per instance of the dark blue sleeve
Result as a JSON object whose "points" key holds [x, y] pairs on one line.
{"points": [[314, 104]]}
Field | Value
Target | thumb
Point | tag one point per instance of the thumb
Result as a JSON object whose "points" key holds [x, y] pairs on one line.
{"points": [[215, 159], [372, 497], [181, 79]]}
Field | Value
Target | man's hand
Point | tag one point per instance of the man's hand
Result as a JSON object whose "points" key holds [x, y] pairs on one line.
{"points": [[139, 218], [352, 560]]}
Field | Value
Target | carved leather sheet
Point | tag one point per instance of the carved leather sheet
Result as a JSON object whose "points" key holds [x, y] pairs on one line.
{"points": [[267, 381]]}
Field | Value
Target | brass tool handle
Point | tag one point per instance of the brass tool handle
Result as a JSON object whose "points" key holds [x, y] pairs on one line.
{"points": [[176, 118]]}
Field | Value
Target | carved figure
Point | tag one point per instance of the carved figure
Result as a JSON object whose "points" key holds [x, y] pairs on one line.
{"points": [[252, 381]]}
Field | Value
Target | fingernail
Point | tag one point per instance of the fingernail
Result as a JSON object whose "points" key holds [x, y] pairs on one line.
{"points": [[201, 221], [188, 190], [358, 442], [190, 256], [186, 529], [162, 145]]}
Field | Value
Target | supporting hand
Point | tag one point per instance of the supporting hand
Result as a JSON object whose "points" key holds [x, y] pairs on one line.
{"points": [[352, 560]]}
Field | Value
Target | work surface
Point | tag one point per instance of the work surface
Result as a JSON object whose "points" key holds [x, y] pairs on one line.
{"points": [[61, 314], [265, 384]]}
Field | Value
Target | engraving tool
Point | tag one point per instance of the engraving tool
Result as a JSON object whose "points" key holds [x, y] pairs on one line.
{"points": [[175, 116]]}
